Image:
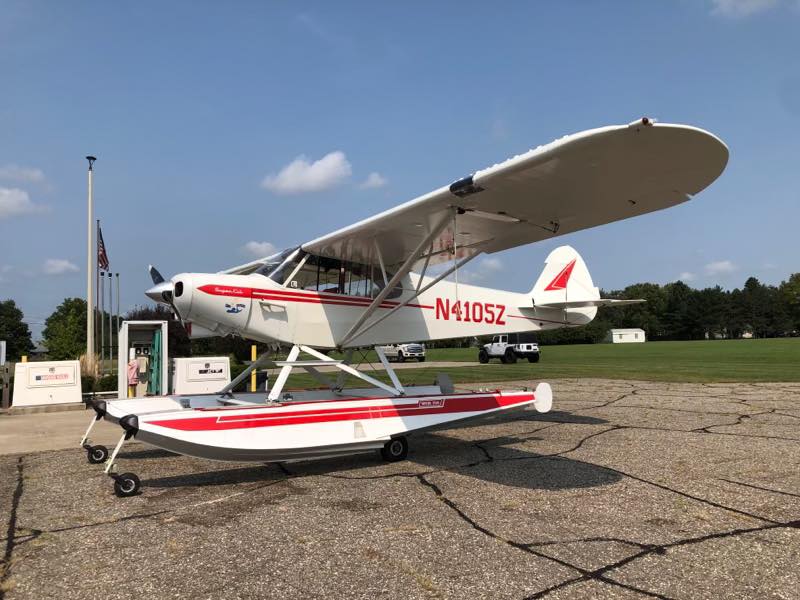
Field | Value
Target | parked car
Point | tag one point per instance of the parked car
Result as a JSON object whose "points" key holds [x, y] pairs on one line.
{"points": [[509, 347], [400, 352]]}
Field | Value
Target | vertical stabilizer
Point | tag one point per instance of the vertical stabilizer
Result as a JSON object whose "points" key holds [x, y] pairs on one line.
{"points": [[565, 279]]}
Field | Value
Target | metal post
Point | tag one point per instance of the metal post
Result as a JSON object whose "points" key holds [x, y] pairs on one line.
{"points": [[101, 307], [90, 276], [96, 294], [253, 357], [119, 358], [110, 331], [4, 377]]}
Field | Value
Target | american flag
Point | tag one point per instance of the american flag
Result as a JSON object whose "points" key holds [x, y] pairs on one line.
{"points": [[102, 257]]}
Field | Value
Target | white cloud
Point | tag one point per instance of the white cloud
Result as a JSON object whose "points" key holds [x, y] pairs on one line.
{"points": [[491, 264], [259, 249], [499, 129], [14, 172], [301, 176], [373, 180], [741, 8], [321, 31], [720, 267], [14, 202], [58, 266], [687, 276], [480, 272]]}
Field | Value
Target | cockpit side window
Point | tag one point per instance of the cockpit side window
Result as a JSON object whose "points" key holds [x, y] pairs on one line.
{"points": [[333, 276]]}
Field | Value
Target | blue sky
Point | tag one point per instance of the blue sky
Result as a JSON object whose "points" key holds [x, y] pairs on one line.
{"points": [[209, 120]]}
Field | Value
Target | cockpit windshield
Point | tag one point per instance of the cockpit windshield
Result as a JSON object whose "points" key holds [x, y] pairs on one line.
{"points": [[272, 263]]}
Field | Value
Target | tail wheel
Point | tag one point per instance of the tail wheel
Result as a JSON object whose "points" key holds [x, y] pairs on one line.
{"points": [[395, 449], [400, 357], [126, 485], [483, 356], [510, 357], [97, 454]]}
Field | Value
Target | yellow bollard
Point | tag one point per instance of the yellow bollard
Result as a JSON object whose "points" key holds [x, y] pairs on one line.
{"points": [[253, 357], [24, 358]]}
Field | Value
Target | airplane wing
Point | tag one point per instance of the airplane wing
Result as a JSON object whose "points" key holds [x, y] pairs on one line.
{"points": [[576, 182]]}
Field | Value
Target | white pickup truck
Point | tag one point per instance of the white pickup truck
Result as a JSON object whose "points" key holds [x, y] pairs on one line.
{"points": [[400, 352], [508, 348]]}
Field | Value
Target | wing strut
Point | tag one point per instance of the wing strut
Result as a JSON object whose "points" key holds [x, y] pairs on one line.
{"points": [[419, 291], [401, 272]]}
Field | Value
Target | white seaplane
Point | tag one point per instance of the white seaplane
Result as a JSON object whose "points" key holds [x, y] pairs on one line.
{"points": [[368, 285]]}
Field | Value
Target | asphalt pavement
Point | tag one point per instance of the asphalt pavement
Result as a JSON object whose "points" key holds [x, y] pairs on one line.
{"points": [[624, 490]]}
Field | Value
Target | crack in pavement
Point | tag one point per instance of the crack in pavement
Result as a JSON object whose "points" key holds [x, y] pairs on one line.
{"points": [[560, 456], [35, 533], [661, 549], [11, 531], [585, 573], [758, 487]]}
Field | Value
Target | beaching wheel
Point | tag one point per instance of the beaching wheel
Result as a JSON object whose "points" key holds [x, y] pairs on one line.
{"points": [[395, 449], [126, 485], [97, 454]]}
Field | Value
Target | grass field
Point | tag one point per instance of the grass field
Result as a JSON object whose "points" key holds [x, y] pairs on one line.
{"points": [[700, 361]]}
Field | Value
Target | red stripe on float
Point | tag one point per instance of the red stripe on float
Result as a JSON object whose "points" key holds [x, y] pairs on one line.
{"points": [[248, 421]]}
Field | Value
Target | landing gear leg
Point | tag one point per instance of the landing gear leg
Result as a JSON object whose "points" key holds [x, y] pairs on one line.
{"points": [[95, 454], [127, 484]]}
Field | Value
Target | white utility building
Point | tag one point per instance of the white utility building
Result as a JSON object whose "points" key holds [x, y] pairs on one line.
{"points": [[625, 336]]}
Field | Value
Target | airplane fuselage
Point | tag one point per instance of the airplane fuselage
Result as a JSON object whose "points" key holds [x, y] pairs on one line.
{"points": [[258, 308]]}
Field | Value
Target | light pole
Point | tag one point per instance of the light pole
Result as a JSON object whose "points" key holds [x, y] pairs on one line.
{"points": [[90, 258]]}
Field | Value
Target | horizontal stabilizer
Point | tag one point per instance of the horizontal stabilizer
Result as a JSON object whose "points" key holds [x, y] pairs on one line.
{"points": [[589, 303]]}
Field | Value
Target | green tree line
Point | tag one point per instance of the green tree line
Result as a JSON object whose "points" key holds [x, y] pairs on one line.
{"points": [[677, 312]]}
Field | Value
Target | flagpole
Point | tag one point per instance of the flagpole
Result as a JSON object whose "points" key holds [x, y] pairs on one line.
{"points": [[89, 362]]}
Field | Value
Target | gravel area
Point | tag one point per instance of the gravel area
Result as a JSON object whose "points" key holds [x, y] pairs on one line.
{"points": [[625, 490]]}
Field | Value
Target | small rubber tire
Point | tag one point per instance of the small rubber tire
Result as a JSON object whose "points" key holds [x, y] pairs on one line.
{"points": [[400, 357], [97, 454], [126, 485], [395, 449], [510, 357], [421, 359], [483, 356], [533, 358]]}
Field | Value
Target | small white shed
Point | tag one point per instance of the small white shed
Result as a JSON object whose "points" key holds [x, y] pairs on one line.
{"points": [[625, 336]]}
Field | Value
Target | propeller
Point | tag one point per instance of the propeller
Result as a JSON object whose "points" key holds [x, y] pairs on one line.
{"points": [[155, 275], [162, 291]]}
